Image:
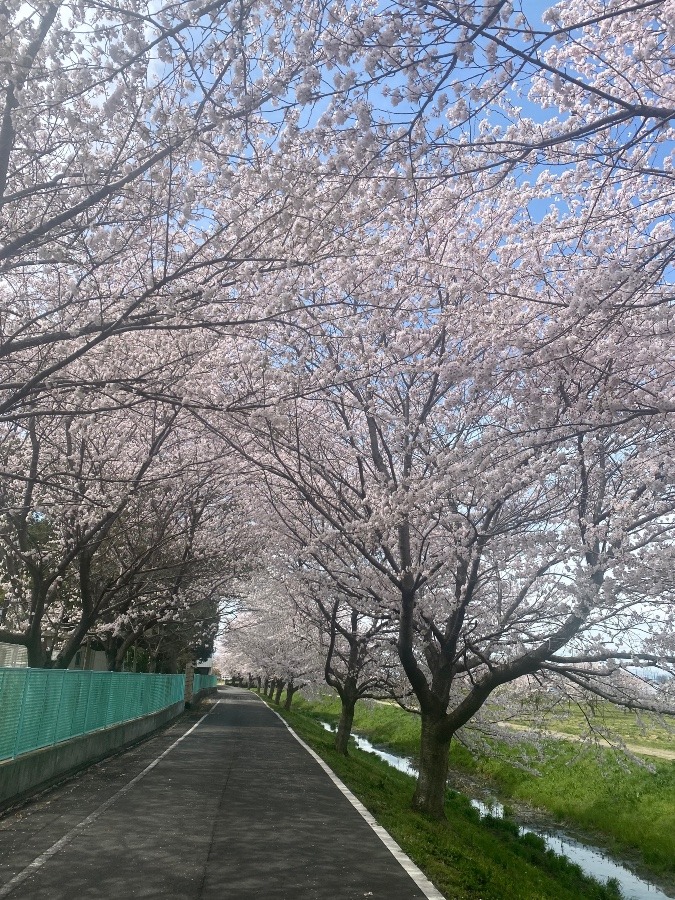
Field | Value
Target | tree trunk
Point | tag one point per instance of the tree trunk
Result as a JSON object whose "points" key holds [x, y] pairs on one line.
{"points": [[429, 795], [78, 635], [110, 648], [280, 687], [290, 692], [259, 680], [69, 652], [344, 728], [35, 651], [266, 686]]}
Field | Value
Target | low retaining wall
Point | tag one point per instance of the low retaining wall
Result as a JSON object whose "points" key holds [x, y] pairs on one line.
{"points": [[201, 695], [30, 772]]}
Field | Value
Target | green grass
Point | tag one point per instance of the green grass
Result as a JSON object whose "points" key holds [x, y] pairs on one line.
{"points": [[591, 788], [384, 723], [629, 808], [467, 858]]}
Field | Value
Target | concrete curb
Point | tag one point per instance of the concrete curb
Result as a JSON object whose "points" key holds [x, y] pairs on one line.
{"points": [[32, 772]]}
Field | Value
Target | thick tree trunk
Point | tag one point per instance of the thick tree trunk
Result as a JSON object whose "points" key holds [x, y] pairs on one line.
{"points": [[278, 692], [78, 635], [69, 651], [344, 728], [111, 647], [36, 649], [429, 795], [433, 698], [259, 681], [37, 657], [290, 693], [266, 687]]}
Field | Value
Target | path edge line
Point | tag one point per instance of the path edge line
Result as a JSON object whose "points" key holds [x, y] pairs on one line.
{"points": [[417, 875]]}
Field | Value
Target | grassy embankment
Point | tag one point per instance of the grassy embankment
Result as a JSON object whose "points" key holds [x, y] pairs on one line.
{"points": [[467, 858], [632, 808]]}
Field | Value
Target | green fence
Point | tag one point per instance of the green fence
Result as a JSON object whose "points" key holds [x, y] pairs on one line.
{"points": [[202, 682], [41, 707]]}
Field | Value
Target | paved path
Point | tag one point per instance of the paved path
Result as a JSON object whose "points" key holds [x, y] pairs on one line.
{"points": [[236, 810]]}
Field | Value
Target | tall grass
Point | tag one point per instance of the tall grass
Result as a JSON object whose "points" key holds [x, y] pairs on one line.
{"points": [[598, 791]]}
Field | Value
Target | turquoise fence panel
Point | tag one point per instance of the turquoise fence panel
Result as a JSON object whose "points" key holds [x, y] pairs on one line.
{"points": [[41, 707], [73, 708], [33, 705], [155, 694], [116, 711], [176, 691], [133, 706], [97, 704], [51, 700], [202, 682], [12, 687]]}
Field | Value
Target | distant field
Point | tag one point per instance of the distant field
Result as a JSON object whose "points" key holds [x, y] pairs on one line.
{"points": [[644, 729]]}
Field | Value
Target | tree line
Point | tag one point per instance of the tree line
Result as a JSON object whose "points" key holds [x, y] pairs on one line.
{"points": [[355, 319]]}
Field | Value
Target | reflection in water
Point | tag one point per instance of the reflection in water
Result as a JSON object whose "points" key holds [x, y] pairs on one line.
{"points": [[592, 861]]}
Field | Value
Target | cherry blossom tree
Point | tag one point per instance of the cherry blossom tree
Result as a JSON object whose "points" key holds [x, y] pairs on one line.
{"points": [[57, 511], [486, 473], [425, 82], [328, 584], [271, 640], [175, 567], [356, 646], [117, 526], [143, 161], [413, 264], [150, 154]]}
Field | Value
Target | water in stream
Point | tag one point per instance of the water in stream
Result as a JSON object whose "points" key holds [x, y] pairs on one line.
{"points": [[593, 861]]}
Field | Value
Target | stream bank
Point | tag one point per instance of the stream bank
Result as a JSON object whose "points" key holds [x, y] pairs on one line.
{"points": [[581, 849]]}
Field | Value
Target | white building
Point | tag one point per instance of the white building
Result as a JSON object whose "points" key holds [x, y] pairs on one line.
{"points": [[13, 656]]}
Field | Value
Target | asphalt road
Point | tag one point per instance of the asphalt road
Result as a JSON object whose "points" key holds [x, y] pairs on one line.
{"points": [[236, 810]]}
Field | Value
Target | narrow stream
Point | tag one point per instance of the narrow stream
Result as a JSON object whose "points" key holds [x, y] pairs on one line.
{"points": [[593, 861]]}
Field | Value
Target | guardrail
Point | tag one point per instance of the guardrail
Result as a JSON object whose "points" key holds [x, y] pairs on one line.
{"points": [[42, 707]]}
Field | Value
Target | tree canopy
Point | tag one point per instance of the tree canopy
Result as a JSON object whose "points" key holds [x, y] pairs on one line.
{"points": [[355, 317]]}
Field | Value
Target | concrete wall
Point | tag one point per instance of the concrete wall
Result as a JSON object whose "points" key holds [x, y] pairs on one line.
{"points": [[201, 695], [30, 772]]}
